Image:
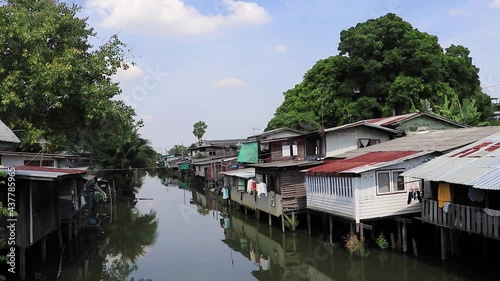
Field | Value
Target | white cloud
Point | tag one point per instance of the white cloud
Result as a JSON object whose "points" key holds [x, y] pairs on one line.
{"points": [[455, 12], [132, 72], [495, 4], [227, 82], [148, 117], [280, 49], [174, 17]]}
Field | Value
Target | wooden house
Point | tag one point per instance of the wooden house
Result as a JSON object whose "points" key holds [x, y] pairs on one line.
{"points": [[215, 148], [463, 190], [15, 159], [367, 185], [275, 134], [7, 137], [39, 194]]}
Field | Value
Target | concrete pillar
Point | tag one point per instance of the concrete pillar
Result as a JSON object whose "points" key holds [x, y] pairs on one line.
{"points": [[293, 221], [283, 223], [270, 220]]}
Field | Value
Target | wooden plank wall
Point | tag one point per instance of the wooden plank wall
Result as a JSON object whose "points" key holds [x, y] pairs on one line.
{"points": [[277, 152], [44, 209], [293, 190]]}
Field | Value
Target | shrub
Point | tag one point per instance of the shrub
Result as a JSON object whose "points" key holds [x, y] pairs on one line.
{"points": [[382, 242], [356, 246]]}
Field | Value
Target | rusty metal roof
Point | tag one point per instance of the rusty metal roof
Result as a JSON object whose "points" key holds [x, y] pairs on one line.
{"points": [[366, 162], [34, 172], [6, 134], [476, 165]]}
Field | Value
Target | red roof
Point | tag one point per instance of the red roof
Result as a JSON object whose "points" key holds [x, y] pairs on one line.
{"points": [[51, 169], [370, 158]]}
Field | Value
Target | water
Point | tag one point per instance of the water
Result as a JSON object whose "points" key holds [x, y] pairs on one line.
{"points": [[178, 236]]}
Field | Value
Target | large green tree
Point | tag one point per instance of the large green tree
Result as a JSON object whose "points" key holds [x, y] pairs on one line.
{"points": [[178, 150], [384, 67], [54, 84]]}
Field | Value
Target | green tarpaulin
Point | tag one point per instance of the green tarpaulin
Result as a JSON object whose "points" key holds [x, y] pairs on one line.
{"points": [[249, 153]]}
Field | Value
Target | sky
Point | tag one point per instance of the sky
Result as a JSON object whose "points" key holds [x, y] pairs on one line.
{"points": [[228, 62]]}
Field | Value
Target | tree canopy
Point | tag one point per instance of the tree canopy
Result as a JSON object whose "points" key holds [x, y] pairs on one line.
{"points": [[54, 84], [384, 67], [199, 129], [178, 150]]}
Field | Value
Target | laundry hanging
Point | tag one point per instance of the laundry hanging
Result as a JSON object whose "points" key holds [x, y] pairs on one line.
{"points": [[262, 189], [250, 185], [476, 195], [444, 194], [225, 193]]}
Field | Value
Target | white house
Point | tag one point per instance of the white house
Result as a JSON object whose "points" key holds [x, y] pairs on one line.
{"points": [[366, 187]]}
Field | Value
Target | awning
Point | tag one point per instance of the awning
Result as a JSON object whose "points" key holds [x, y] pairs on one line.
{"points": [[249, 153]]}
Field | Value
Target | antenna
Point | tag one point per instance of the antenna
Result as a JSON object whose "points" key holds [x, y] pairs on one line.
{"points": [[255, 129]]}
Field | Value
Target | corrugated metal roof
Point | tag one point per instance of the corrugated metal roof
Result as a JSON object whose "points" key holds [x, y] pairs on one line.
{"points": [[245, 173], [366, 162], [362, 123], [439, 141], [46, 172], [396, 120], [284, 164], [6, 134], [476, 165]]}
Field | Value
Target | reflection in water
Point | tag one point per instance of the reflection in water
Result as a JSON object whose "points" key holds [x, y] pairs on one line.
{"points": [[190, 235], [112, 256]]}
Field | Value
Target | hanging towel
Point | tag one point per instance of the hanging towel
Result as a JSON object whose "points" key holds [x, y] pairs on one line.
{"points": [[476, 195], [254, 186], [250, 185], [262, 189], [225, 193], [265, 264], [446, 207], [444, 194]]}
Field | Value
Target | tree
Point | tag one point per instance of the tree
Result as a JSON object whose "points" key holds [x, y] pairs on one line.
{"points": [[54, 84], [384, 67], [178, 150], [199, 129]]}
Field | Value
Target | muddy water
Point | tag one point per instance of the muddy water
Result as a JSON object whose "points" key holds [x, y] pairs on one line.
{"points": [[188, 235]]}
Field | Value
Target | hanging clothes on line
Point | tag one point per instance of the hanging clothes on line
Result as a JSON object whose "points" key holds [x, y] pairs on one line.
{"points": [[250, 185], [414, 195], [225, 193], [444, 194], [476, 195], [262, 189]]}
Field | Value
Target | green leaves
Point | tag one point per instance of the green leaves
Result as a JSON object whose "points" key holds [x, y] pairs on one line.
{"points": [[384, 65], [52, 80], [199, 129]]}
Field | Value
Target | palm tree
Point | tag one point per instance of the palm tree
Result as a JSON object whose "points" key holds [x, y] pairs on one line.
{"points": [[199, 130]]}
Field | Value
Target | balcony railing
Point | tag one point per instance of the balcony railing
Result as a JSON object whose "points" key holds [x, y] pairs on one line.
{"points": [[460, 217]]}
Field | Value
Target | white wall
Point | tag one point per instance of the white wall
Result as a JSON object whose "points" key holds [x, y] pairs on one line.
{"points": [[18, 160], [373, 206], [329, 203], [338, 142], [263, 203]]}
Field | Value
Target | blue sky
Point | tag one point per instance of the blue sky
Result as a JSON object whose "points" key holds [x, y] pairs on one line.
{"points": [[228, 62]]}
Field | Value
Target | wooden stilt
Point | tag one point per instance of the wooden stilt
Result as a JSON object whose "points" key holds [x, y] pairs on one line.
{"points": [[308, 223], [283, 223], [70, 229], [372, 232], [443, 243], [44, 248], [60, 237], [270, 220], [331, 229], [361, 232], [404, 234], [293, 221], [415, 250], [22, 263], [393, 241], [399, 236]]}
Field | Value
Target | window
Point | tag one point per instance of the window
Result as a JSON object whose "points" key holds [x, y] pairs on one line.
{"points": [[383, 185], [211, 152], [398, 181], [289, 149], [367, 142], [390, 182]]}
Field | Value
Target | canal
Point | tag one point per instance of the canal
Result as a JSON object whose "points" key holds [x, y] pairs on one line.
{"points": [[186, 235]]}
